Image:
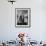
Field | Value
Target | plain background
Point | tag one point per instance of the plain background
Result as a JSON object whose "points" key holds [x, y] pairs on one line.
{"points": [[37, 31]]}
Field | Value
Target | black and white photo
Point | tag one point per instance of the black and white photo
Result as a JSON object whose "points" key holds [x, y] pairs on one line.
{"points": [[22, 16]]}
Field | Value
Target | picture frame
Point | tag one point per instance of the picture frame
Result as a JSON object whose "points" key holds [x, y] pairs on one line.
{"points": [[22, 17]]}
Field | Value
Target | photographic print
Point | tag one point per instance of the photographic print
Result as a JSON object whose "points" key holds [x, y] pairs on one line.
{"points": [[22, 17]]}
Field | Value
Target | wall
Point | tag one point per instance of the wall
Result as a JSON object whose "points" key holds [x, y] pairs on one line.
{"points": [[37, 31]]}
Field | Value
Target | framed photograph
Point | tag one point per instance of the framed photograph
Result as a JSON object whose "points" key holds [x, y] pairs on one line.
{"points": [[22, 17]]}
